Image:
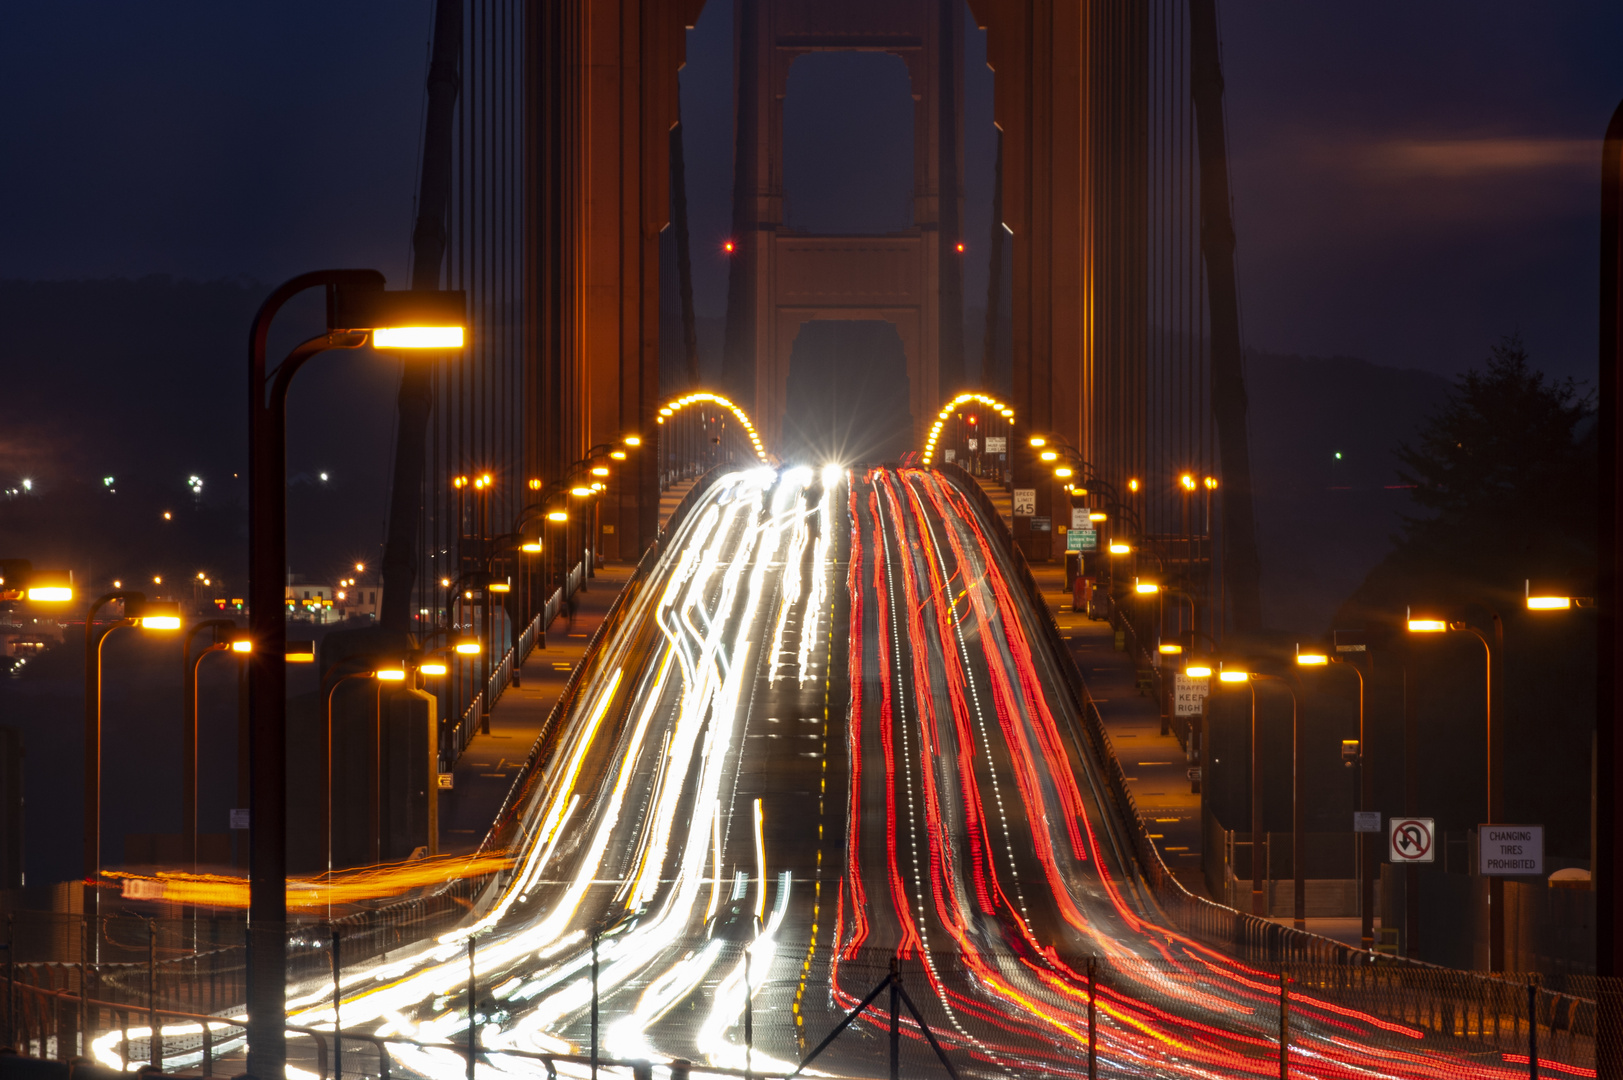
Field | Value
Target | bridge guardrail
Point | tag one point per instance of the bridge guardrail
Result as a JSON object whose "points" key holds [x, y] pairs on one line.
{"points": [[1238, 933]]}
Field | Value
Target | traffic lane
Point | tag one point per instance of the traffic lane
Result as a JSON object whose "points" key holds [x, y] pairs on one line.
{"points": [[492, 960]]}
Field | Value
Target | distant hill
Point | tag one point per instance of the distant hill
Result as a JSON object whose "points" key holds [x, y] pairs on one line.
{"points": [[1324, 521], [145, 381]]}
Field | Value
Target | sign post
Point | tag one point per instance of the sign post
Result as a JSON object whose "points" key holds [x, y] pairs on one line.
{"points": [[1510, 850], [1411, 839]]}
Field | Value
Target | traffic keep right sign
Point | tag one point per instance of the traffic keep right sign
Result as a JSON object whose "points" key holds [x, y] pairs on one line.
{"points": [[1412, 839]]}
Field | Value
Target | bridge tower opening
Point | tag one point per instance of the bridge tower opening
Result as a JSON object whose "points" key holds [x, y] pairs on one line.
{"points": [[848, 380]]}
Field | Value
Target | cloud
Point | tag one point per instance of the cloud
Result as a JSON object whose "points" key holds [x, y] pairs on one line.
{"points": [[1478, 157]]}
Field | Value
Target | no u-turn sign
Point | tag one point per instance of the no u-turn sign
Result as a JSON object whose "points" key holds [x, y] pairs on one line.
{"points": [[1411, 839]]}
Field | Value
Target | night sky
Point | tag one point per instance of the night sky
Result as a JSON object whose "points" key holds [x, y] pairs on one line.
{"points": [[1411, 180]]}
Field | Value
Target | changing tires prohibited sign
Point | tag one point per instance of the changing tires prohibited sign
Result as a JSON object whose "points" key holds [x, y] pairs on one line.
{"points": [[1411, 839]]}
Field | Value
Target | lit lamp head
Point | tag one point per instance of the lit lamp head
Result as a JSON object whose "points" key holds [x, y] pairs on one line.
{"points": [[600, 470], [617, 455], [390, 674], [1169, 648], [434, 668], [1119, 548], [1543, 600], [632, 440], [1145, 588], [1233, 673], [1049, 455], [403, 318], [1426, 626], [1038, 441], [530, 547], [1063, 472], [1097, 515], [157, 615], [557, 515], [50, 587], [499, 587], [466, 645], [1132, 485], [1198, 669], [300, 652], [580, 492], [242, 644], [1311, 657]]}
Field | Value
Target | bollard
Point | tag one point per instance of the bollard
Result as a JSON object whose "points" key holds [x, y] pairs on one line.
{"points": [[895, 1022], [642, 1070], [1532, 1026], [1093, 1023], [1284, 1024], [473, 1031], [679, 1068], [337, 1025], [594, 1005], [154, 1033]]}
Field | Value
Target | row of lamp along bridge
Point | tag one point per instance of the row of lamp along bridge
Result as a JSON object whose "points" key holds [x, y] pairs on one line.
{"points": [[1188, 655], [360, 312]]}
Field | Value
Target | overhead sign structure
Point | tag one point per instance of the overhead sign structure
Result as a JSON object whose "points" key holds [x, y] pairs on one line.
{"points": [[997, 444], [1188, 694], [1025, 502], [1411, 839], [1510, 850], [1366, 821]]}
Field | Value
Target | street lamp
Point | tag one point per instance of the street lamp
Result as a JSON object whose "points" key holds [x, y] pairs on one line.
{"points": [[1496, 884], [149, 615], [225, 637], [1234, 673], [359, 310], [1368, 851]]}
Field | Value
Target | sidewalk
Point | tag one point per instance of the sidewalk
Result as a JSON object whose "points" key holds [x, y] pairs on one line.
{"points": [[1155, 764], [487, 768]]}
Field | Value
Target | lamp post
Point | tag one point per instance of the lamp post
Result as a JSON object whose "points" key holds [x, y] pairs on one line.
{"points": [[138, 611], [1234, 673], [1368, 843], [359, 311], [1490, 649], [188, 732]]}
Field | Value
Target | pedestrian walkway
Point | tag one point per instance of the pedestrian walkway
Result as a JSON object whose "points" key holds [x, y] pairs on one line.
{"points": [[1156, 766], [488, 768], [491, 763]]}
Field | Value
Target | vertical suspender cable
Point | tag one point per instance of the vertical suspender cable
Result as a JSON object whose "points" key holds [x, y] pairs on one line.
{"points": [[428, 254]]}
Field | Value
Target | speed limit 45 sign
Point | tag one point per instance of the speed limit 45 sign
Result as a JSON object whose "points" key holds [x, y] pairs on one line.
{"points": [[1411, 839]]}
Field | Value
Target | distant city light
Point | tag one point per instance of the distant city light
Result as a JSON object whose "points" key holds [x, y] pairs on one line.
{"points": [[28, 485], [323, 478], [167, 516], [1338, 455], [107, 481], [960, 247]]}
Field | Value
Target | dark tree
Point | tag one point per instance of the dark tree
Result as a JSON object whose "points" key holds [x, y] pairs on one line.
{"points": [[1504, 469]]}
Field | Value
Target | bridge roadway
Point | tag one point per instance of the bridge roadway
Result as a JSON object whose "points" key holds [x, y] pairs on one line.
{"points": [[710, 810]]}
